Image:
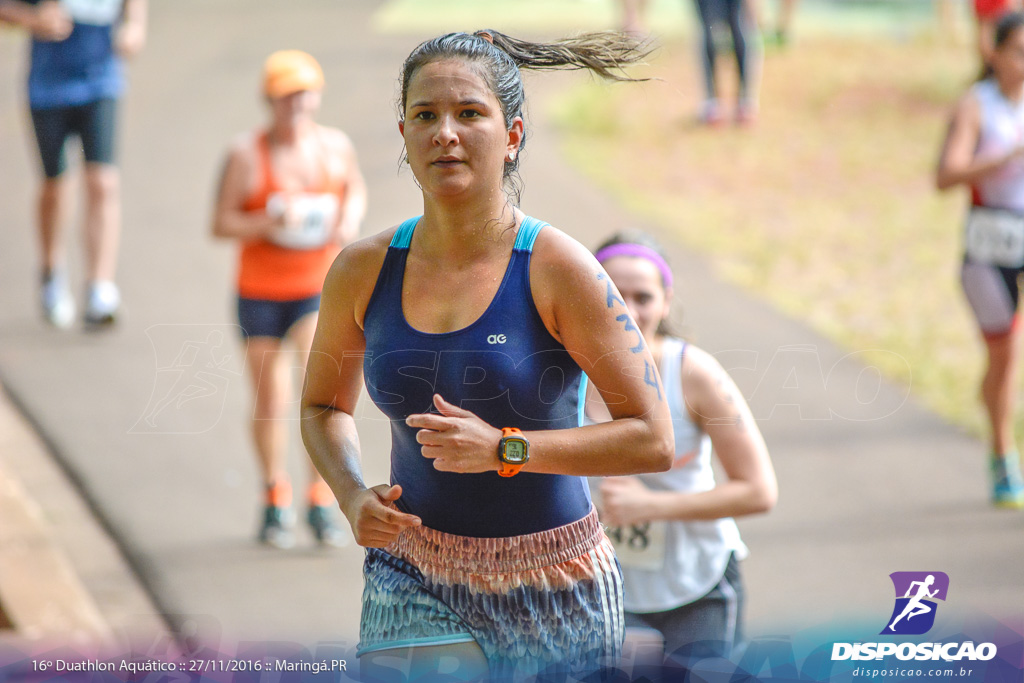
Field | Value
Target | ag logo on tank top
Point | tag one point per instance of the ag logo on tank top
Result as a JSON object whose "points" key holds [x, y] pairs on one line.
{"points": [[497, 339], [94, 12]]}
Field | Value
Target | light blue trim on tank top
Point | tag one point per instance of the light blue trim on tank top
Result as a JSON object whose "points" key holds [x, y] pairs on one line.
{"points": [[581, 411], [528, 231], [403, 236]]}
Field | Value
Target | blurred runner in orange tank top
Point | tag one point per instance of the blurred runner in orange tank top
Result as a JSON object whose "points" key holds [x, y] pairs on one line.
{"points": [[293, 196]]}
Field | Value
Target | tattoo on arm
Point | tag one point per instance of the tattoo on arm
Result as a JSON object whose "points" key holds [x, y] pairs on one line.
{"points": [[651, 377], [630, 326], [650, 372], [611, 298]]}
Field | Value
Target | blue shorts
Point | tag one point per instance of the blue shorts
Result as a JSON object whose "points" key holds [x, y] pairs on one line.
{"points": [[266, 318], [544, 602], [94, 124]]}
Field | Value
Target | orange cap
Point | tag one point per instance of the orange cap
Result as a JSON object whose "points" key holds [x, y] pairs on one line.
{"points": [[290, 71]]}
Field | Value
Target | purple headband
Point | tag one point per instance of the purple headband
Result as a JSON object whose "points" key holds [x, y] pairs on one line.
{"points": [[640, 251]]}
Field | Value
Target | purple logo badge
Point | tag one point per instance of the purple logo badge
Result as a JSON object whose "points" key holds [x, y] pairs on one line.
{"points": [[916, 593]]}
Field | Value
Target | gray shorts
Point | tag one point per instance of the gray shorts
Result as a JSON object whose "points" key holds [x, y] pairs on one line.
{"points": [[993, 293], [711, 626]]}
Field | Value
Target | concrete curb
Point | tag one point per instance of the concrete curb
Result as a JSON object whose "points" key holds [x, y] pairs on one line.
{"points": [[62, 578]]}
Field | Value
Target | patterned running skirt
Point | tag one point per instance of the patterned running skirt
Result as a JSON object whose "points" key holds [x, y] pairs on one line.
{"points": [[547, 602]]}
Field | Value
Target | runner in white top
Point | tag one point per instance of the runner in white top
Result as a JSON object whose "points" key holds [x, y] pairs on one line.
{"points": [[984, 150], [674, 534]]}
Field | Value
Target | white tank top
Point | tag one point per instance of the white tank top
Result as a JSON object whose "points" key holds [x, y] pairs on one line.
{"points": [[1002, 129], [693, 554]]}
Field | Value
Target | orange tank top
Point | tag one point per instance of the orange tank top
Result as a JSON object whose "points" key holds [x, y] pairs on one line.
{"points": [[269, 271]]}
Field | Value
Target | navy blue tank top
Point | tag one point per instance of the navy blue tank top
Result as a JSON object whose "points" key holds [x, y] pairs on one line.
{"points": [[506, 368]]}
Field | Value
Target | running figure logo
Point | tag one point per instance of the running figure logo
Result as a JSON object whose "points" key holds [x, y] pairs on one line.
{"points": [[916, 593], [193, 371]]}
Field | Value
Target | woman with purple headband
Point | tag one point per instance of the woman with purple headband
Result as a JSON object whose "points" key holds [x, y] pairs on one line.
{"points": [[673, 531]]}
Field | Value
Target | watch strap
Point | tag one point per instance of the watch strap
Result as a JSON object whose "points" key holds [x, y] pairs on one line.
{"points": [[506, 469]]}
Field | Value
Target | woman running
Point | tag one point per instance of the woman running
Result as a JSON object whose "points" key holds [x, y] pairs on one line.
{"points": [[471, 326], [75, 83], [293, 196], [673, 531], [984, 149]]}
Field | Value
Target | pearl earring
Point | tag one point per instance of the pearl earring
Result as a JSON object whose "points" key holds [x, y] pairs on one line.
{"points": [[511, 156]]}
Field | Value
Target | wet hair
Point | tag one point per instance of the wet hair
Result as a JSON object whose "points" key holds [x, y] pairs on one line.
{"points": [[633, 236], [1008, 24], [500, 58]]}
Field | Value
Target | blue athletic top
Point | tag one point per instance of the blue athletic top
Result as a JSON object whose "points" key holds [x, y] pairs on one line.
{"points": [[506, 368], [84, 67]]}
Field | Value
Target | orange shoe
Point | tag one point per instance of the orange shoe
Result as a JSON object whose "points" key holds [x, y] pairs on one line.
{"points": [[278, 518]]}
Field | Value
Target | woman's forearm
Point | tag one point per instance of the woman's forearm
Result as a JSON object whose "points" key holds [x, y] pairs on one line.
{"points": [[353, 213], [971, 173], [618, 447], [244, 225], [18, 13], [729, 499], [331, 439], [135, 12]]}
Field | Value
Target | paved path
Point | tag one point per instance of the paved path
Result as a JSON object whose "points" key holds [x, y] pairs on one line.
{"points": [[62, 577], [870, 482]]}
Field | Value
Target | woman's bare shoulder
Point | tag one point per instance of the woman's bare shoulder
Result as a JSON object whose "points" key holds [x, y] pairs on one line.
{"points": [[362, 257], [353, 275]]}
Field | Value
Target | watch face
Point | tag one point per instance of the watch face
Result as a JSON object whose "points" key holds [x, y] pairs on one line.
{"points": [[515, 451]]}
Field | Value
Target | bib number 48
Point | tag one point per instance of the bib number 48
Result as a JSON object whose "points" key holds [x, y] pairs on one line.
{"points": [[641, 546]]}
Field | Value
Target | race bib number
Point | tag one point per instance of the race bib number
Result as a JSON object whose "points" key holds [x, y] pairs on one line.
{"points": [[93, 12], [995, 237], [641, 546], [311, 217]]}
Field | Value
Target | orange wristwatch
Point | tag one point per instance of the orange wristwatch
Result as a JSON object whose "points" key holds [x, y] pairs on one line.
{"points": [[513, 452]]}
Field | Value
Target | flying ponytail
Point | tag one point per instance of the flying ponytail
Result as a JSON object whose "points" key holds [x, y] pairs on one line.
{"points": [[604, 53]]}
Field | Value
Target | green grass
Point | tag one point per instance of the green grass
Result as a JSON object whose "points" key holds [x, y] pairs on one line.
{"points": [[826, 208], [438, 16], [900, 18]]}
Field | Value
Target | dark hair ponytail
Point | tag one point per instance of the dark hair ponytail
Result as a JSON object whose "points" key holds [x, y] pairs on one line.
{"points": [[604, 53]]}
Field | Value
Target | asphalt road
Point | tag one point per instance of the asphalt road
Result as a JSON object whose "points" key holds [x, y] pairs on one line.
{"points": [[870, 483]]}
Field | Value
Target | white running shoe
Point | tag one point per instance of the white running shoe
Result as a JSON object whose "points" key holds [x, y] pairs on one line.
{"points": [[103, 303], [58, 304]]}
